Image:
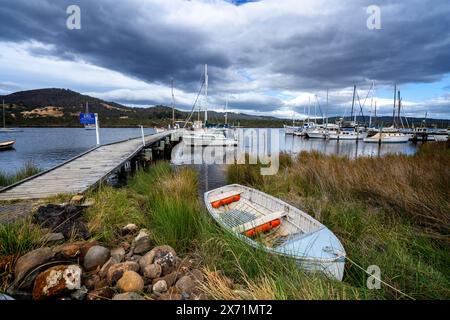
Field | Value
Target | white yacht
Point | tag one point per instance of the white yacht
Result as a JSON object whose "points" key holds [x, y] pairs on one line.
{"points": [[387, 137], [201, 135], [209, 137]]}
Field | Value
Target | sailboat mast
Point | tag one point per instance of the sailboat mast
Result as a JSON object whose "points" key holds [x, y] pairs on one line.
{"points": [[173, 108], [395, 106], [309, 108], [327, 106], [353, 101], [206, 93], [226, 111], [4, 118]]}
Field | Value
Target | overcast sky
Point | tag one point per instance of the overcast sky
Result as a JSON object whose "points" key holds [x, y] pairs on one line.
{"points": [[268, 57]]}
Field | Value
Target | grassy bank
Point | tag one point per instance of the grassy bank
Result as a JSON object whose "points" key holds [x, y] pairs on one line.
{"points": [[27, 170], [393, 212]]}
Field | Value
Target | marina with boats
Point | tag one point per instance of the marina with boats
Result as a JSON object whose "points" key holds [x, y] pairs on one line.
{"points": [[398, 132]]}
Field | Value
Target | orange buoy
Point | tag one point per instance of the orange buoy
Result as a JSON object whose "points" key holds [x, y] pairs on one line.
{"points": [[228, 200], [263, 228]]}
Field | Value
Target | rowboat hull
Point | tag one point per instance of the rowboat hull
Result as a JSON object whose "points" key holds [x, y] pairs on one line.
{"points": [[6, 145], [299, 236]]}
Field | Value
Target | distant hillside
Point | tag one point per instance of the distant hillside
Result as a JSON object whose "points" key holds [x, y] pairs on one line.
{"points": [[61, 107]]}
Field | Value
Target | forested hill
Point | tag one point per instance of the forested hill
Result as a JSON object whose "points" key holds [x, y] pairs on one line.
{"points": [[61, 107]]}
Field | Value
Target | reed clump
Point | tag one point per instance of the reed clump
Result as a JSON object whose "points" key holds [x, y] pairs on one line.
{"points": [[27, 170]]}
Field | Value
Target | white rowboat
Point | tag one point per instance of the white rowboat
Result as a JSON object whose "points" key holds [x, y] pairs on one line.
{"points": [[275, 226], [5, 145]]}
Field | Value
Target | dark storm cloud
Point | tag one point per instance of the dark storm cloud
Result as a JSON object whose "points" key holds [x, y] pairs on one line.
{"points": [[114, 35], [292, 50]]}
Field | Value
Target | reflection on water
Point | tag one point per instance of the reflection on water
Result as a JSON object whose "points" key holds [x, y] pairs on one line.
{"points": [[47, 147], [212, 176]]}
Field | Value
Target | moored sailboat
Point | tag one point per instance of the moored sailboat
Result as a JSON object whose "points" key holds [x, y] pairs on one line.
{"points": [[202, 135]]}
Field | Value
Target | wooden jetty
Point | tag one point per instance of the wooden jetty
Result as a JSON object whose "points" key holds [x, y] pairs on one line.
{"points": [[79, 174]]}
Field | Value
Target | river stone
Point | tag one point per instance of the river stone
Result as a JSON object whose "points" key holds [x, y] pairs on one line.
{"points": [[197, 275], [90, 280], [170, 278], [104, 269], [96, 256], [129, 228], [160, 287], [152, 271], [135, 258], [130, 282], [128, 296], [165, 256], [56, 281], [185, 285], [73, 250], [116, 271], [79, 294], [53, 237], [118, 253], [31, 260], [142, 242]]}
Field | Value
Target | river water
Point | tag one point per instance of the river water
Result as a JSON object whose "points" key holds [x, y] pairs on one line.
{"points": [[47, 147]]}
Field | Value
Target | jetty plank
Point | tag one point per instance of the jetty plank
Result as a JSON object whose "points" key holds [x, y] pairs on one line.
{"points": [[79, 174]]}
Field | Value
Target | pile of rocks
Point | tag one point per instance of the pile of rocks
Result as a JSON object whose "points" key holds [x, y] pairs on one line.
{"points": [[87, 270]]}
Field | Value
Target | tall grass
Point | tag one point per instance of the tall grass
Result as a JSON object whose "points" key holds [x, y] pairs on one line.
{"points": [[113, 209], [28, 169], [172, 204], [19, 237]]}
